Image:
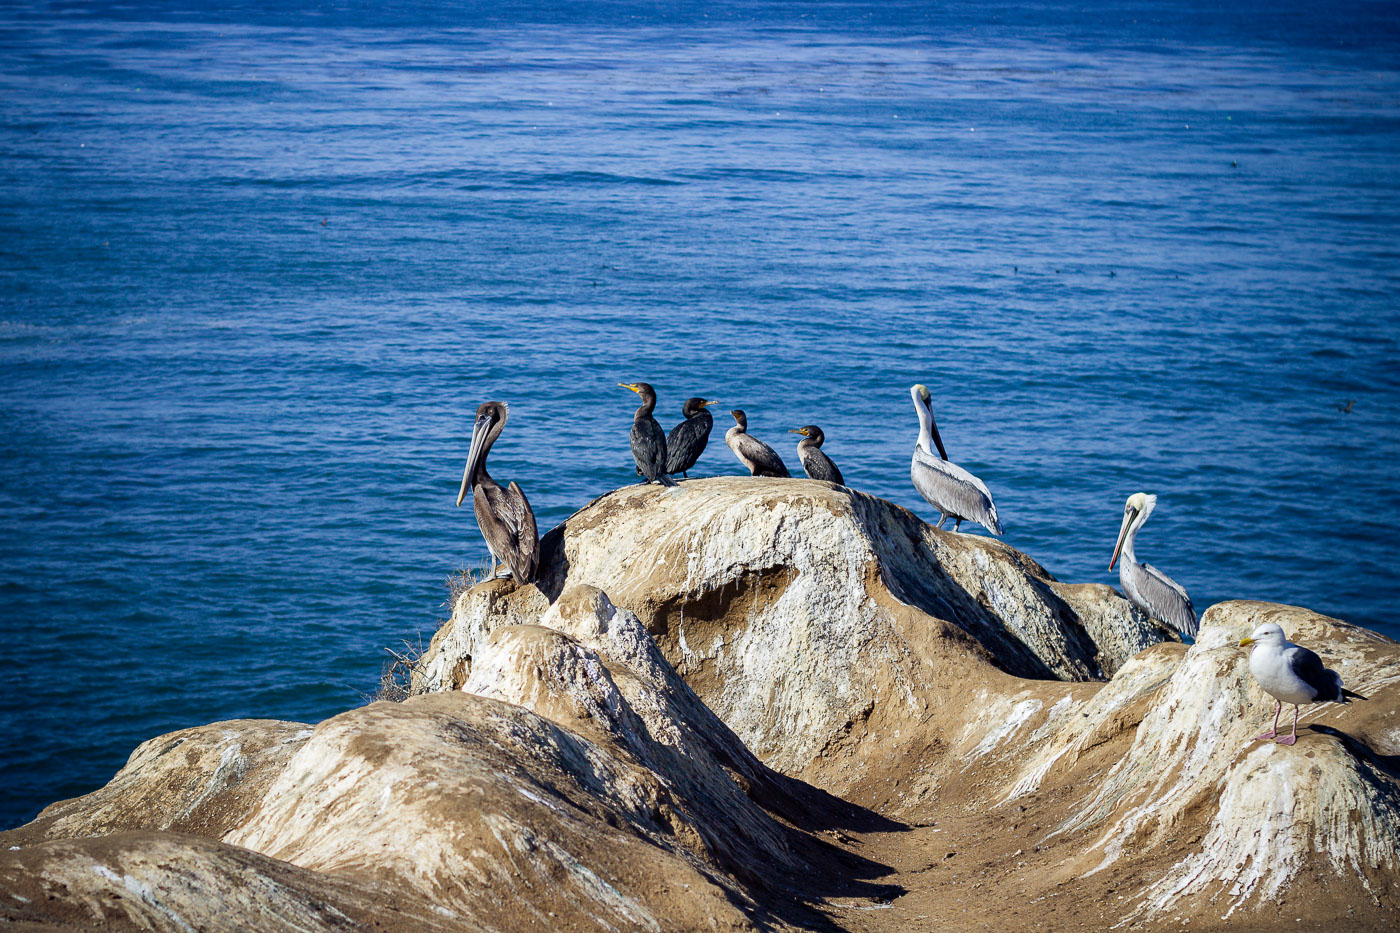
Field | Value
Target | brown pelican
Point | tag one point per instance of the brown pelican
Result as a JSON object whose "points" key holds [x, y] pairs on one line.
{"points": [[648, 440], [687, 440], [816, 464], [1146, 587], [1290, 674], [503, 515], [761, 459], [950, 489]]}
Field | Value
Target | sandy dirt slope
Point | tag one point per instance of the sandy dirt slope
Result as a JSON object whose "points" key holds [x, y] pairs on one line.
{"points": [[764, 704]]}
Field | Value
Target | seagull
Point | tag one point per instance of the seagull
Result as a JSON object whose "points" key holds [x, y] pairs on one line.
{"points": [[1290, 674], [1146, 587]]}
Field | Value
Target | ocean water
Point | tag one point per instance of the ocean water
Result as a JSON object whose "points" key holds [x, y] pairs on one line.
{"points": [[259, 263]]}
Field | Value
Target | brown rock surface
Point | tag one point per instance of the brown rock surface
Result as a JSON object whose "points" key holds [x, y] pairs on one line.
{"points": [[582, 758], [809, 616]]}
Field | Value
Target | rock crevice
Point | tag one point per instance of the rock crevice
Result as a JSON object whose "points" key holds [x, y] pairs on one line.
{"points": [[744, 703]]}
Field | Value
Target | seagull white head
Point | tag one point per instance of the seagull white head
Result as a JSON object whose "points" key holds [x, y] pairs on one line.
{"points": [[1268, 634]]}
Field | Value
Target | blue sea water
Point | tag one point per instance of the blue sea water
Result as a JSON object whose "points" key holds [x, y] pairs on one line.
{"points": [[260, 262]]}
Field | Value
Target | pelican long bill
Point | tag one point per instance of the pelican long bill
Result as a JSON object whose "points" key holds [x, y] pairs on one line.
{"points": [[1128, 517], [937, 441], [479, 432]]}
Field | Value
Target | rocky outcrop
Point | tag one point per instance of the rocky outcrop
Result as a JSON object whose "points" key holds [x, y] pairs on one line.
{"points": [[916, 671], [806, 615], [659, 735], [456, 802]]}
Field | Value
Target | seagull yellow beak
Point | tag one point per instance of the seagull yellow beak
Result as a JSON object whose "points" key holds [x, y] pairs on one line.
{"points": [[1246, 642]]}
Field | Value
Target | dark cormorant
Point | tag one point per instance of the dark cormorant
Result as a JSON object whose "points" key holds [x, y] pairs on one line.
{"points": [[761, 459], [648, 440], [817, 464], [687, 440], [503, 515]]}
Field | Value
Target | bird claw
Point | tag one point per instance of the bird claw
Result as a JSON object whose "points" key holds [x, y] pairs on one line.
{"points": [[1264, 735], [1287, 740]]}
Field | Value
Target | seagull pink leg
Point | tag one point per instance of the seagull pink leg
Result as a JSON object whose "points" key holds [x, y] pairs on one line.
{"points": [[1278, 708], [1290, 739]]}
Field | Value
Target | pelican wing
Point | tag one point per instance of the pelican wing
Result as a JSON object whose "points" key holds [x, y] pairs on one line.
{"points": [[527, 535], [687, 441], [508, 524], [1166, 600], [953, 491]]}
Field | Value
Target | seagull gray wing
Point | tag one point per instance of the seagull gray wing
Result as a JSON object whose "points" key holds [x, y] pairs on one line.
{"points": [[953, 491], [1308, 668], [1167, 600]]}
